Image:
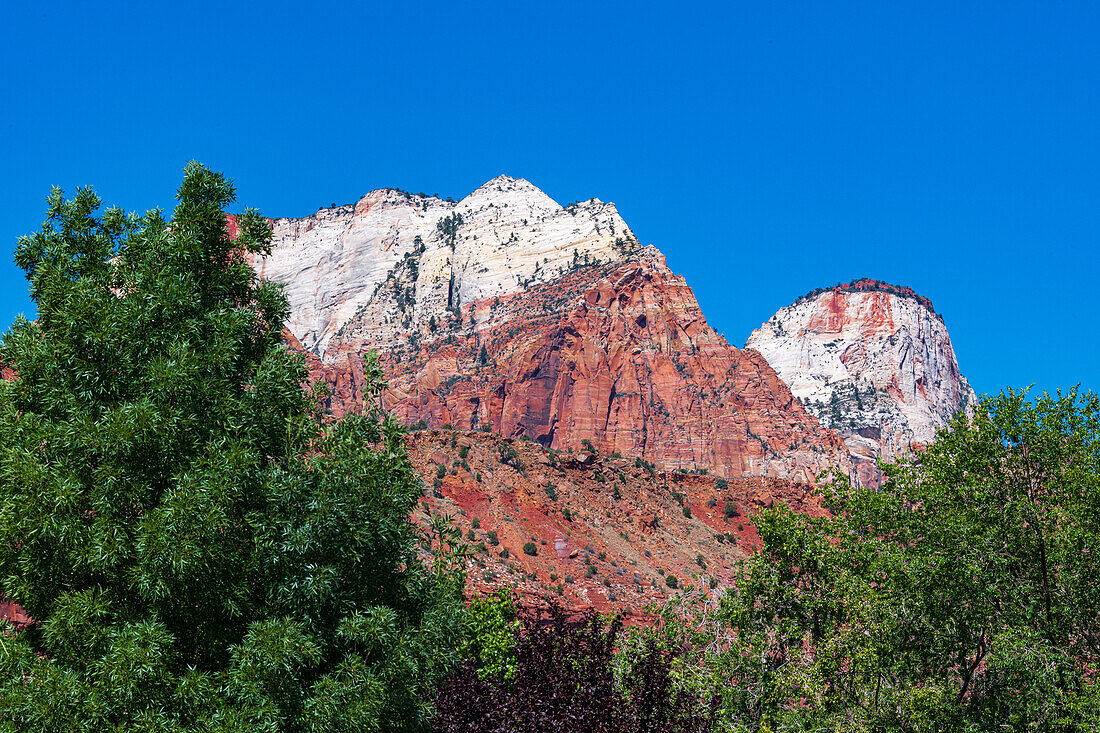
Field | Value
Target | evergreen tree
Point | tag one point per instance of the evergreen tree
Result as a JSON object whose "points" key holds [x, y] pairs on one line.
{"points": [[199, 547]]}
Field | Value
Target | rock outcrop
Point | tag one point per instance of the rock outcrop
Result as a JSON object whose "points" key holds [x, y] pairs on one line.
{"points": [[872, 361], [395, 261], [508, 311]]}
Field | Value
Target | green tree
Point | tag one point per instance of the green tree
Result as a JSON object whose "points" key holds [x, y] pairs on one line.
{"points": [[201, 549], [961, 596]]}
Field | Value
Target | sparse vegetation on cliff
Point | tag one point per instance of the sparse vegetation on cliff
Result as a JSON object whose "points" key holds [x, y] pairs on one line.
{"points": [[866, 285]]}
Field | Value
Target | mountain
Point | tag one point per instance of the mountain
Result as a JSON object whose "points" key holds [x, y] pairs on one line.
{"points": [[508, 311], [870, 360]]}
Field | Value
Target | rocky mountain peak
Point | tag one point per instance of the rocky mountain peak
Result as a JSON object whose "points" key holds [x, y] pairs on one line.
{"points": [[396, 262], [508, 311], [871, 360]]}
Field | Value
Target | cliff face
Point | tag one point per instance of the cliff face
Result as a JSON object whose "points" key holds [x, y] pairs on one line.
{"points": [[394, 261], [508, 311], [872, 361]]}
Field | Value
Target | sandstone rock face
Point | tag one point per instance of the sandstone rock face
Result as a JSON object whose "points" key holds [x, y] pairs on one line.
{"points": [[870, 360], [395, 260], [509, 312], [619, 355]]}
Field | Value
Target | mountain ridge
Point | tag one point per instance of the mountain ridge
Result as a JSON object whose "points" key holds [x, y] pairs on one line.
{"points": [[507, 309]]}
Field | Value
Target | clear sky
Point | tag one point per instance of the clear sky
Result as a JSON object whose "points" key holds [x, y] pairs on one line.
{"points": [[766, 148]]}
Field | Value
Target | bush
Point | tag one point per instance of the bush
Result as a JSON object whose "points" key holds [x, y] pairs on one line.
{"points": [[530, 548], [567, 680], [551, 491], [475, 523], [671, 581], [492, 536], [687, 511], [730, 509], [509, 456]]}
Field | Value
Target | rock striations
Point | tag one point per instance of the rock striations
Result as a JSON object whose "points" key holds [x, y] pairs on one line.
{"points": [[508, 312], [369, 273], [872, 361]]}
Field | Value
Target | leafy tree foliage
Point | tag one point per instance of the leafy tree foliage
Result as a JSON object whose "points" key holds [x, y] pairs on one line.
{"points": [[561, 676], [491, 632], [201, 550], [962, 596]]}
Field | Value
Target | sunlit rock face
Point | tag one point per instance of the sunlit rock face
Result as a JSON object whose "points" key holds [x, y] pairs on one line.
{"points": [[369, 272], [872, 361], [509, 311]]}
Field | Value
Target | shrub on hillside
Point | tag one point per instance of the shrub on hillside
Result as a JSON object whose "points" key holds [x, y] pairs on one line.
{"points": [[565, 679]]}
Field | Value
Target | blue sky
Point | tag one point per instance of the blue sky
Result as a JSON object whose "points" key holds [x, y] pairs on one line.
{"points": [[767, 150]]}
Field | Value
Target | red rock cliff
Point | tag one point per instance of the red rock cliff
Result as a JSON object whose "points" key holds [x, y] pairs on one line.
{"points": [[618, 354]]}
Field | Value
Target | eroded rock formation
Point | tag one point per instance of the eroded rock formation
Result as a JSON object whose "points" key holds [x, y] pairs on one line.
{"points": [[872, 361], [509, 311]]}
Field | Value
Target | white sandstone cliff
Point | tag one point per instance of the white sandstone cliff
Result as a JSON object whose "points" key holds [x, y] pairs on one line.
{"points": [[394, 261], [877, 366]]}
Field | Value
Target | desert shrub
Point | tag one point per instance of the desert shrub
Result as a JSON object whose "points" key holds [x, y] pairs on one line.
{"points": [[509, 456]]}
